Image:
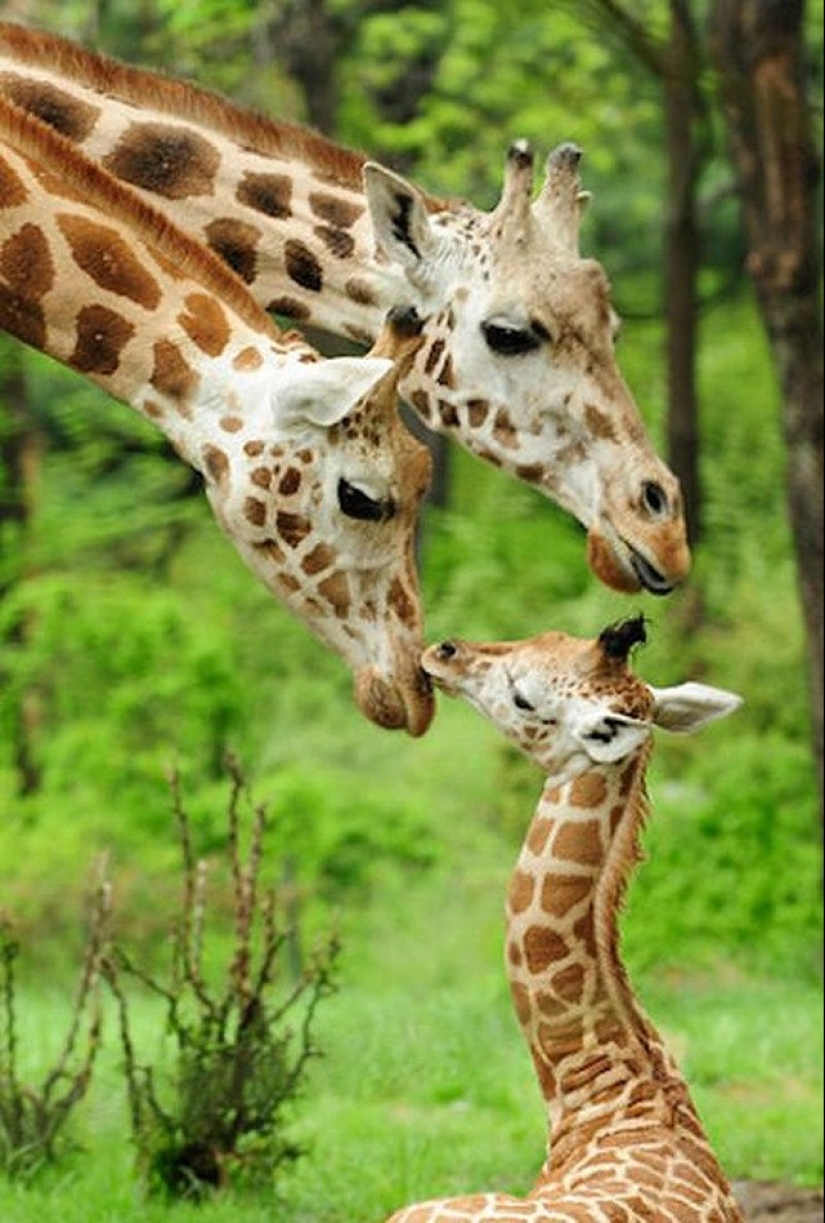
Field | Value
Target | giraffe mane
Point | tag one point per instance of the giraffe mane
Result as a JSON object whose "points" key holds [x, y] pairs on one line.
{"points": [[92, 184], [625, 855], [180, 99]]}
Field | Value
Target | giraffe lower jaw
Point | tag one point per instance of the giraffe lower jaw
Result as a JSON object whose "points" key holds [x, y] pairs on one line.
{"points": [[617, 563], [395, 707]]}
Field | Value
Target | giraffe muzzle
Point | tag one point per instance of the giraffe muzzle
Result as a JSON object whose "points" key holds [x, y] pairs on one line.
{"points": [[394, 705]]}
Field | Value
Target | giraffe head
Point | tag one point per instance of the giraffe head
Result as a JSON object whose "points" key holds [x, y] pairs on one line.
{"points": [[324, 507], [518, 360], [307, 466], [571, 704]]}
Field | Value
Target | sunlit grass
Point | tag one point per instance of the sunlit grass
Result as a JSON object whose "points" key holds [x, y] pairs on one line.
{"points": [[425, 1086]]}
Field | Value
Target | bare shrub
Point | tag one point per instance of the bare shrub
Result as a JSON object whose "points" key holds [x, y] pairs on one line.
{"points": [[33, 1119], [217, 1116]]}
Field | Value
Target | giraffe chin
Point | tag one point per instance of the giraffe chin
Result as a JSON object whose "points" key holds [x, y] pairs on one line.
{"points": [[607, 567], [393, 708]]}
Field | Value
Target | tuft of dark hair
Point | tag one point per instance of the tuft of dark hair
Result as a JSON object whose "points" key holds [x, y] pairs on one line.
{"points": [[617, 640]]}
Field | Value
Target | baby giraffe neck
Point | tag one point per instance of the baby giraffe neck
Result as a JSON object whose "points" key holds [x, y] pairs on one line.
{"points": [[589, 1039]]}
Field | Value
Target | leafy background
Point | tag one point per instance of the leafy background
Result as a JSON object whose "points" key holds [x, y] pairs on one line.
{"points": [[149, 647]]}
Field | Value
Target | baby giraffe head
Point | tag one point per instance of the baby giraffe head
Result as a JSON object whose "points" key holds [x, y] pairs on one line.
{"points": [[571, 704]]}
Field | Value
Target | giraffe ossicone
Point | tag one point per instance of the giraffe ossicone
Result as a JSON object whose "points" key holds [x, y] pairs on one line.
{"points": [[306, 463], [517, 359], [624, 1139]]}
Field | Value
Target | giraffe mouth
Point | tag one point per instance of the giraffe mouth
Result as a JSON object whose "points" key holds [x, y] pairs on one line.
{"points": [[394, 705], [622, 567], [648, 577]]}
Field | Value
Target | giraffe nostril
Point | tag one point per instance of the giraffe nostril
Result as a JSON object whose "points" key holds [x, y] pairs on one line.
{"points": [[447, 649]]}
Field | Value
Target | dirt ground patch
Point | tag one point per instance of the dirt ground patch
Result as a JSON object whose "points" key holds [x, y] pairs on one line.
{"points": [[771, 1203]]}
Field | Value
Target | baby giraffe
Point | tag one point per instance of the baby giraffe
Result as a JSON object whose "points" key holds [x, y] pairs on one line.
{"points": [[625, 1141]]}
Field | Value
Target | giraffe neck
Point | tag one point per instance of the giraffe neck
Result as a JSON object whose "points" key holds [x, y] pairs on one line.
{"points": [[593, 1048], [105, 286], [284, 207]]}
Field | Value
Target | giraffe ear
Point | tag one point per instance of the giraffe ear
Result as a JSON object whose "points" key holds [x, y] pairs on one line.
{"points": [[399, 218], [606, 736], [686, 707], [324, 392]]}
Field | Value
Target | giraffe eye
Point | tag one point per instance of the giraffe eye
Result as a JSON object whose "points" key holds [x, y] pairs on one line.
{"points": [[521, 702], [509, 339], [654, 498], [355, 503]]}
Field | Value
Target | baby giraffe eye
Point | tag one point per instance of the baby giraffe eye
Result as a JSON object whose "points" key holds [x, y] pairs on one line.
{"points": [[521, 702], [355, 503]]}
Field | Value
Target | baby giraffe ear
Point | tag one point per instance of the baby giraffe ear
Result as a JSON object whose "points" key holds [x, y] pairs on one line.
{"points": [[324, 392], [399, 218], [686, 707]]}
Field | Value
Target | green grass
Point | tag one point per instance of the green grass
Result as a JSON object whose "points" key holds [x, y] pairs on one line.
{"points": [[425, 1087]]}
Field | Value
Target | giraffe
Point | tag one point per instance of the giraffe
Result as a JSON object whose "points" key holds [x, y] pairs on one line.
{"points": [[306, 463], [625, 1142], [517, 360]]}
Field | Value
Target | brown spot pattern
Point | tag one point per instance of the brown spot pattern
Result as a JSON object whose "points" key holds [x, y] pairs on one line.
{"points": [[302, 266], [599, 424], [216, 464], [290, 307], [433, 356], [520, 892], [337, 241], [26, 264], [341, 214], [559, 893], [320, 558], [292, 528], [12, 190], [171, 374], [521, 1001], [166, 160], [569, 983], [254, 511], [588, 790], [504, 430], [236, 243], [358, 291], [290, 482], [101, 335], [538, 834], [477, 412], [399, 600], [69, 116], [21, 317], [542, 947], [579, 843], [335, 588], [261, 477], [270, 194], [109, 260], [247, 359], [205, 323]]}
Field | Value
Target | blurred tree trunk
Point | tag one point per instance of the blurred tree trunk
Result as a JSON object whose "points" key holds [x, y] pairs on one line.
{"points": [[308, 38], [20, 460], [758, 50], [676, 63], [680, 63]]}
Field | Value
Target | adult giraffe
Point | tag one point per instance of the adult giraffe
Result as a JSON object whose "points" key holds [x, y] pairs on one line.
{"points": [[306, 464], [517, 361]]}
